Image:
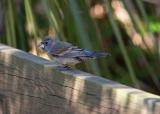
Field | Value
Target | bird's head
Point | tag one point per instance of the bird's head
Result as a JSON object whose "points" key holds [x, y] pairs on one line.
{"points": [[46, 44]]}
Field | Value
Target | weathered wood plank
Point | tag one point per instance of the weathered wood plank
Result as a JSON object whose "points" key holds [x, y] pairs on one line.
{"points": [[32, 85]]}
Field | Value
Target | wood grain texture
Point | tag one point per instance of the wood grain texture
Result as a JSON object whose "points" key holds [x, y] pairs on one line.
{"points": [[32, 85]]}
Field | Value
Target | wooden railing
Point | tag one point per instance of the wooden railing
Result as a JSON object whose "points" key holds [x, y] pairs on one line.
{"points": [[32, 85]]}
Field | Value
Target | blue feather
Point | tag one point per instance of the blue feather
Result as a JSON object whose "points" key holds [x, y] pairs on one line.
{"points": [[66, 53]]}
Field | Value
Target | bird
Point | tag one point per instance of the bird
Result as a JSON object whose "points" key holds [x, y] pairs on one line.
{"points": [[67, 54]]}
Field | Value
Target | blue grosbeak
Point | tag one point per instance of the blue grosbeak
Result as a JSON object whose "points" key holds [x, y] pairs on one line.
{"points": [[67, 54]]}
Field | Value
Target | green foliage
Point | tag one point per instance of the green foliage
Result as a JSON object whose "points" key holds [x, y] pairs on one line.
{"points": [[154, 24]]}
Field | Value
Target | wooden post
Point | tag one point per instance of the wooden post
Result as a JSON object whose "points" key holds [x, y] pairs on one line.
{"points": [[32, 85]]}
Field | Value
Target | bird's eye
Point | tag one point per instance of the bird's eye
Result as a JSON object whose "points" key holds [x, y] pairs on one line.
{"points": [[46, 43]]}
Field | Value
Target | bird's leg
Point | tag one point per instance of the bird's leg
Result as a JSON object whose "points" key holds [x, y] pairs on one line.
{"points": [[64, 67], [60, 66]]}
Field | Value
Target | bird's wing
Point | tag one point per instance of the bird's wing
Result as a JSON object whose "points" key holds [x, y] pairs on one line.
{"points": [[77, 52], [60, 47], [83, 54]]}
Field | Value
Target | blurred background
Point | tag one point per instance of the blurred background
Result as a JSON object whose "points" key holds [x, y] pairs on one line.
{"points": [[128, 29]]}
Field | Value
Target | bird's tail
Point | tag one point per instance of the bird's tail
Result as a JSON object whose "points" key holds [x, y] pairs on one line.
{"points": [[100, 54]]}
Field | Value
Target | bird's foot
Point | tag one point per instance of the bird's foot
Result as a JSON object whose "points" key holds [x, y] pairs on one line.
{"points": [[63, 68]]}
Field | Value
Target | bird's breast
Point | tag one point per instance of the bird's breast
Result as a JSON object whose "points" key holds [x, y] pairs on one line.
{"points": [[67, 61]]}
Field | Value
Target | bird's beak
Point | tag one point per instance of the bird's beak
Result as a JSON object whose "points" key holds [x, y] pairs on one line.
{"points": [[41, 46]]}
